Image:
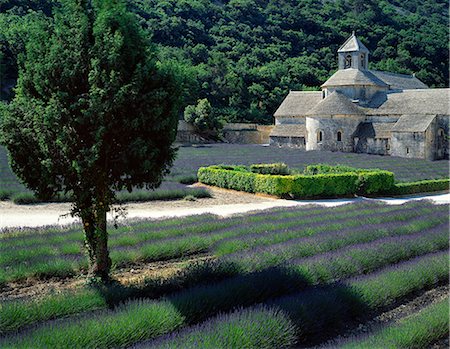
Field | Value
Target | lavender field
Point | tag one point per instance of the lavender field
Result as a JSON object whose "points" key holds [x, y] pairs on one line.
{"points": [[405, 170], [283, 278], [190, 158]]}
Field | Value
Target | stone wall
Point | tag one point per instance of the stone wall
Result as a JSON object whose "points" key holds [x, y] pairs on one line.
{"points": [[246, 133], [291, 142], [378, 146], [330, 126], [442, 133], [409, 144], [186, 133]]}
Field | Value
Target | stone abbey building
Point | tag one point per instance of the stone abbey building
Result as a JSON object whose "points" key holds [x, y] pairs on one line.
{"points": [[366, 111]]}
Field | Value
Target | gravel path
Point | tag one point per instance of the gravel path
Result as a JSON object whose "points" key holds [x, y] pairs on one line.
{"points": [[224, 203]]}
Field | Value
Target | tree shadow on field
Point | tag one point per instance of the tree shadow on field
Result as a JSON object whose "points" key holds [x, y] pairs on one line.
{"points": [[317, 312], [198, 273], [206, 289]]}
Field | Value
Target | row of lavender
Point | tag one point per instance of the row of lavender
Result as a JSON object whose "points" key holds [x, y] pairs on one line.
{"points": [[325, 297], [241, 279], [316, 315], [190, 159], [30, 255]]}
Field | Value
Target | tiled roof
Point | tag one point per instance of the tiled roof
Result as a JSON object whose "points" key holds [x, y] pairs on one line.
{"points": [[374, 130], [335, 104], [354, 77], [413, 123], [421, 101], [353, 44], [298, 103], [399, 81]]}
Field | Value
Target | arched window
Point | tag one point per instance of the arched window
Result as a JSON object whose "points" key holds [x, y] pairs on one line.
{"points": [[348, 61], [363, 61], [441, 132], [319, 136], [339, 136]]}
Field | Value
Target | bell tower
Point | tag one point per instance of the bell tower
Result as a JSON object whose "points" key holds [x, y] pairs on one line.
{"points": [[353, 54]]}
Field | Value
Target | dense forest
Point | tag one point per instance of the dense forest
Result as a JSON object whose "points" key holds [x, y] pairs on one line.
{"points": [[243, 56]]}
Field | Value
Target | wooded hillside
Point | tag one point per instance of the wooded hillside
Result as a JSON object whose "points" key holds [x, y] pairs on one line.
{"points": [[245, 55]]}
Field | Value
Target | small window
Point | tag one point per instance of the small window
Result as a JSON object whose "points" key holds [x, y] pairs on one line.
{"points": [[441, 132], [348, 61], [339, 136], [323, 94], [407, 150], [319, 136], [363, 61]]}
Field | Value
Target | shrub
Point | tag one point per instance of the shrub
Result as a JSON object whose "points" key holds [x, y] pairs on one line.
{"points": [[323, 180], [325, 185], [420, 187], [240, 168], [373, 182], [187, 179], [418, 331], [324, 168], [269, 328], [274, 185], [6, 194], [294, 186], [25, 198], [228, 179], [278, 168]]}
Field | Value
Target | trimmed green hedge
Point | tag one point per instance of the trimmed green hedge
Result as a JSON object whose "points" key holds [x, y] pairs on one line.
{"points": [[374, 182], [420, 187], [299, 186], [371, 181], [279, 168], [317, 181], [327, 169], [228, 179]]}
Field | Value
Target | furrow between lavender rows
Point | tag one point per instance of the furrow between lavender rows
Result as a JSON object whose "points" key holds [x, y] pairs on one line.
{"points": [[59, 236], [188, 224], [235, 244], [199, 303], [246, 261], [314, 313], [71, 251], [307, 246]]}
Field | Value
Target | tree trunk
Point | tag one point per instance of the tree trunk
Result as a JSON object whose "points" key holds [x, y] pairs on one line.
{"points": [[97, 244]]}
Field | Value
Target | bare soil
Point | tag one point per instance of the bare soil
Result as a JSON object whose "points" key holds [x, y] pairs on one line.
{"points": [[134, 274]]}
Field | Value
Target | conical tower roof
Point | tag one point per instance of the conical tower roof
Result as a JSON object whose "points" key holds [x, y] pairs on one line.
{"points": [[353, 44], [335, 104]]}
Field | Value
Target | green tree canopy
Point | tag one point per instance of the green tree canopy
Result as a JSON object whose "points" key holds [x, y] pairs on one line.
{"points": [[94, 112], [246, 55], [202, 116]]}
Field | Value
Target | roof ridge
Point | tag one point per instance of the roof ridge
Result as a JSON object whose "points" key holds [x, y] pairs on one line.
{"points": [[392, 73], [340, 105]]}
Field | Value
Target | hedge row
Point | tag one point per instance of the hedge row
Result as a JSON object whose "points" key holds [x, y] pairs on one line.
{"points": [[300, 186], [420, 187]]}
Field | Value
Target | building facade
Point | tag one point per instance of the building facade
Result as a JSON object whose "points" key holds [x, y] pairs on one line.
{"points": [[366, 111]]}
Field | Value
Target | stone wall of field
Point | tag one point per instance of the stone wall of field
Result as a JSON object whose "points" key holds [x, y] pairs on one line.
{"points": [[186, 133], [246, 133], [232, 133]]}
